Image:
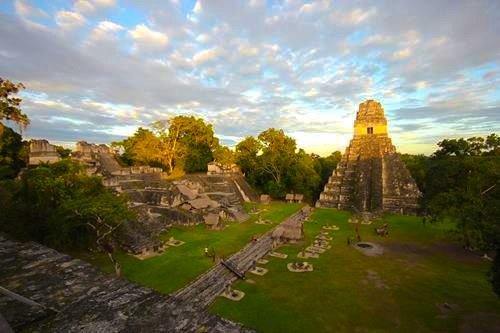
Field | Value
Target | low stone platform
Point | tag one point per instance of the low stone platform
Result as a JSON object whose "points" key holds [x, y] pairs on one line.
{"points": [[47, 291]]}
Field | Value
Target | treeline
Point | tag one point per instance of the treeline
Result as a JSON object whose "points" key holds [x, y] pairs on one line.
{"points": [[461, 182], [272, 164], [271, 161]]}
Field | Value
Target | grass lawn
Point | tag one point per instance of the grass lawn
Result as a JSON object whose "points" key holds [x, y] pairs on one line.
{"points": [[179, 265], [403, 290]]}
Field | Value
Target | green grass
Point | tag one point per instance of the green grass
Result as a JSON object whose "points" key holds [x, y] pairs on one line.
{"points": [[179, 265], [420, 267]]}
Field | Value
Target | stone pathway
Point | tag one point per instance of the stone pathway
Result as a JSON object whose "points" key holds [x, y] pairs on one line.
{"points": [[203, 290]]}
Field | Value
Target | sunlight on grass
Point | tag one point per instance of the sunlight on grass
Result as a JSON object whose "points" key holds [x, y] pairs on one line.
{"points": [[412, 278], [179, 265]]}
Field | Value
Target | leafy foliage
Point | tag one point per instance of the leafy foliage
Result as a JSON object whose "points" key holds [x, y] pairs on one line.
{"points": [[53, 204], [185, 143], [9, 105], [13, 152], [142, 148], [461, 182], [272, 163]]}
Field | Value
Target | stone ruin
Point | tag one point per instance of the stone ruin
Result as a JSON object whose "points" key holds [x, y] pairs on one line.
{"points": [[43, 290], [292, 229], [41, 151], [215, 168], [265, 199], [294, 197], [100, 159], [192, 200], [89, 154], [371, 177]]}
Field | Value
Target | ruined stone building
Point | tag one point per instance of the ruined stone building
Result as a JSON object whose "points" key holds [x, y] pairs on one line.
{"points": [[371, 177], [41, 151]]}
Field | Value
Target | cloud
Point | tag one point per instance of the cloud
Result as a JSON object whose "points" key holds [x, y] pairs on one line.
{"points": [[105, 30], [146, 39], [89, 6], [197, 8], [207, 55], [401, 54], [84, 6], [69, 20], [247, 51], [24, 9], [247, 65], [353, 17], [105, 3]]}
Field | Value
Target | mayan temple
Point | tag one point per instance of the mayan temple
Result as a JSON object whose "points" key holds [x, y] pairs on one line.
{"points": [[371, 177]]}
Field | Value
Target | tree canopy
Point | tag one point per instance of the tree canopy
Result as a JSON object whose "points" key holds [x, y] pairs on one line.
{"points": [[183, 142], [61, 206], [10, 104], [461, 182], [272, 164]]}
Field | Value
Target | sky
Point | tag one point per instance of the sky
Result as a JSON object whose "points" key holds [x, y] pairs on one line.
{"points": [[96, 70]]}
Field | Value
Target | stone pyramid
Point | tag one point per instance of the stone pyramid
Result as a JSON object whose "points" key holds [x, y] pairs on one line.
{"points": [[371, 177]]}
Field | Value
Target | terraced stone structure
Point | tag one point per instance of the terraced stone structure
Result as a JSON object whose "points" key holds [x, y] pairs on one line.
{"points": [[42, 290], [371, 177]]}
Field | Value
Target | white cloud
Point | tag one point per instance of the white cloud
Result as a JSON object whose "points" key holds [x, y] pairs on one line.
{"points": [[69, 20], [105, 30], [354, 17], [87, 6], [84, 6], [311, 92], [206, 55], [105, 3], [203, 38], [24, 9], [177, 60], [197, 8], [256, 3], [248, 51], [314, 7], [146, 39], [421, 85], [377, 40], [401, 54], [53, 104]]}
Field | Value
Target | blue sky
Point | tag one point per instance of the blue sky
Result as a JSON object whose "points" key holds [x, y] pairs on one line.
{"points": [[96, 70]]}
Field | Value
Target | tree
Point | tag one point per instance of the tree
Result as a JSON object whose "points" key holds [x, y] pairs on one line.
{"points": [[187, 139], [493, 144], [63, 152], [246, 154], [9, 105], [418, 166], [61, 206], [12, 149], [277, 153], [103, 214], [273, 165], [143, 148], [325, 165], [224, 155], [302, 177]]}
